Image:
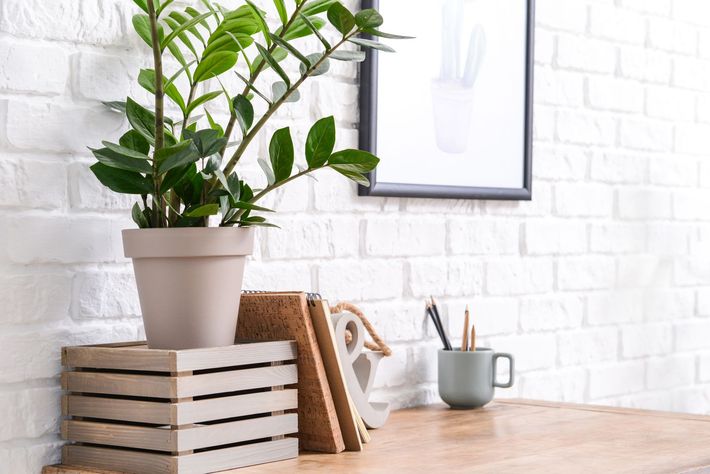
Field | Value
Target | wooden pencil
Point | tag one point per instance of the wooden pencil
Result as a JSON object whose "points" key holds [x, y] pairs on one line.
{"points": [[464, 340], [473, 337]]}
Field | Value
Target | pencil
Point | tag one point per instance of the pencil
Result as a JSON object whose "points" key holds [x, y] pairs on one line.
{"points": [[473, 337], [464, 341], [435, 309], [437, 325]]}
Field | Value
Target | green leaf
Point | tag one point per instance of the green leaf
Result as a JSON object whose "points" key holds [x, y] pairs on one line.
{"points": [[281, 9], [382, 34], [190, 187], [279, 54], [244, 111], [202, 211], [317, 6], [184, 68], [117, 160], [320, 142], [174, 177], [127, 152], [357, 160], [184, 38], [185, 26], [138, 217], [250, 206], [259, 17], [141, 23], [314, 29], [214, 65], [288, 47], [353, 175], [181, 19], [281, 154], [341, 18], [279, 89], [271, 61], [214, 125], [141, 119], [146, 78], [270, 178], [194, 14], [207, 141], [175, 156], [253, 221], [135, 141], [213, 163], [116, 106], [372, 44], [165, 4], [203, 99], [122, 181], [346, 55], [322, 68], [368, 18], [141, 3], [299, 28]]}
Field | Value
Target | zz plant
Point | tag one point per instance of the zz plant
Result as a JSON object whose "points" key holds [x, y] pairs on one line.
{"points": [[184, 172]]}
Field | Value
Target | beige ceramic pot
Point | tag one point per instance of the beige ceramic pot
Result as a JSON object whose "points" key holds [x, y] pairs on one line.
{"points": [[189, 283]]}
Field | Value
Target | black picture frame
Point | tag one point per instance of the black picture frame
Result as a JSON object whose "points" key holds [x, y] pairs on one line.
{"points": [[368, 134]]}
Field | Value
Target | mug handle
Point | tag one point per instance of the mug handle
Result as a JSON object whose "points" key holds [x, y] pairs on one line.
{"points": [[511, 363]]}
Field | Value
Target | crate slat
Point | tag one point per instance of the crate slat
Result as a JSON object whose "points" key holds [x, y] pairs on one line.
{"points": [[135, 385], [203, 436], [125, 357], [138, 462], [232, 356], [113, 434], [234, 381], [178, 413]]}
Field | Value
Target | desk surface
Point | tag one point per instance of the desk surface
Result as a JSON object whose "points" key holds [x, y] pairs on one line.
{"points": [[517, 436]]}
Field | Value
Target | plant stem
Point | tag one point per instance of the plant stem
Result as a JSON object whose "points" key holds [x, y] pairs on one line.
{"points": [[158, 206], [246, 140]]}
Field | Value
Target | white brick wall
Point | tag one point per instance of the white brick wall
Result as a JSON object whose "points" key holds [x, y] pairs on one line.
{"points": [[600, 286]]}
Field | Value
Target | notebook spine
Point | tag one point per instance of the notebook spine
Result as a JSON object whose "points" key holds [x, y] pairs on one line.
{"points": [[310, 297]]}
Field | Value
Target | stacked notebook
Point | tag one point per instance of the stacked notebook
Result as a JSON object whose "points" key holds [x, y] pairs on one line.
{"points": [[327, 419]]}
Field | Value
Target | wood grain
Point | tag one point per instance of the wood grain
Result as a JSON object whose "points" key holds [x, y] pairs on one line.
{"points": [[278, 316], [519, 436]]}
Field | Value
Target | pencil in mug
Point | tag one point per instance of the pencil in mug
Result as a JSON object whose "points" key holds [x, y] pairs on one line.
{"points": [[464, 339], [444, 337], [437, 325]]}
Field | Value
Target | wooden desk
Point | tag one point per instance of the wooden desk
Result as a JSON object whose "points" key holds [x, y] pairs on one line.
{"points": [[517, 436]]}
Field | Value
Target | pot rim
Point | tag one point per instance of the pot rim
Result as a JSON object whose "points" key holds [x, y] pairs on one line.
{"points": [[188, 242]]}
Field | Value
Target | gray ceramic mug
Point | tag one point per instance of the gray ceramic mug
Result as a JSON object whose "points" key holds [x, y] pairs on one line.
{"points": [[468, 379]]}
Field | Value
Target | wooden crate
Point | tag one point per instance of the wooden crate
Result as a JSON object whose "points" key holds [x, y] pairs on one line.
{"points": [[137, 410]]}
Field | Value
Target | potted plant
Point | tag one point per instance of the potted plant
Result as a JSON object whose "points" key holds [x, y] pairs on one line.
{"points": [[182, 168]]}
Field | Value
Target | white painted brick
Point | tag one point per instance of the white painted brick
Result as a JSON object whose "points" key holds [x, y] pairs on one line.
{"points": [[553, 237], [454, 277], [691, 205], [544, 47], [531, 351], [62, 240], [584, 200], [670, 371], [691, 73], [423, 363], [104, 77], [482, 237], [669, 305], [106, 294], [587, 346], [659, 7], [691, 335], [704, 368], [392, 371], [692, 11], [703, 302], [704, 44], [312, 238], [585, 128], [352, 279], [401, 321], [519, 276], [617, 238], [551, 313], [693, 270], [614, 167], [560, 162], [557, 87], [584, 54], [616, 379], [41, 297], [671, 36], [646, 135], [703, 107], [645, 64], [278, 276], [614, 23], [642, 271], [644, 203], [691, 400], [86, 192], [563, 385], [30, 458], [544, 123], [673, 170], [28, 67], [615, 307], [670, 103], [395, 235], [585, 273], [692, 139], [646, 340], [64, 128], [540, 205], [29, 413], [608, 93], [562, 14]]}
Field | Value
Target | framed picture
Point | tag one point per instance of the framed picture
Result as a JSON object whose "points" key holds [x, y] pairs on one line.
{"points": [[450, 113]]}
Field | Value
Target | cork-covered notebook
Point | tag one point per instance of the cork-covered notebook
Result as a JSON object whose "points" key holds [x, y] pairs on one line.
{"points": [[285, 316]]}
